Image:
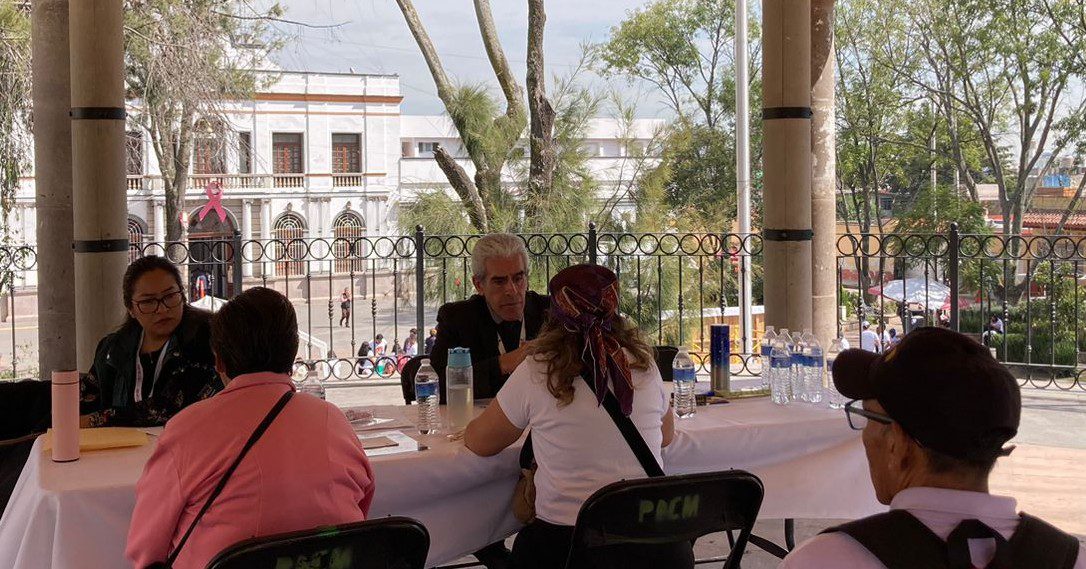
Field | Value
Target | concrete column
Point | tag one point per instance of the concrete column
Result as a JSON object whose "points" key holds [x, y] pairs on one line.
{"points": [[246, 236], [786, 93], [53, 185], [824, 172], [98, 170], [265, 235], [160, 221]]}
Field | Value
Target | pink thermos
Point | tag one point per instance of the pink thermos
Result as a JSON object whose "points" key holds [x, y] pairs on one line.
{"points": [[65, 416]]}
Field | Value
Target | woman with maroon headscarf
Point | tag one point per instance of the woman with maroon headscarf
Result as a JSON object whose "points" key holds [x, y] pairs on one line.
{"points": [[585, 351]]}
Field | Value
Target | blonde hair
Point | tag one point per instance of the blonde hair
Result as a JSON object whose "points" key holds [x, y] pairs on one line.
{"points": [[561, 350]]}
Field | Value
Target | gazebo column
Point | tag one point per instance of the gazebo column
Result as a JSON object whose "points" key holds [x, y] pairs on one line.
{"points": [[53, 186], [786, 104], [98, 170], [824, 172]]}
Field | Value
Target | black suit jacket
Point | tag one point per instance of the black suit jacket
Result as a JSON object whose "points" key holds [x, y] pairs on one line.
{"points": [[468, 324]]}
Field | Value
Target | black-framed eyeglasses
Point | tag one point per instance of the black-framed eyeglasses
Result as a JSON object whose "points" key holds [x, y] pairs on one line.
{"points": [[169, 300], [858, 416]]}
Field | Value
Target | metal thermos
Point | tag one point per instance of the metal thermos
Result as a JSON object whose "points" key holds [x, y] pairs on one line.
{"points": [[65, 403], [720, 351]]}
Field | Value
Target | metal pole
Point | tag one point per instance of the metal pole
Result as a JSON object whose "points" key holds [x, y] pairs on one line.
{"points": [[742, 170], [952, 271], [100, 231], [239, 263], [420, 281], [592, 243], [53, 186]]}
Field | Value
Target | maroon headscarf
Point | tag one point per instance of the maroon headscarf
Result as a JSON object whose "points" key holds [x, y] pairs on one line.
{"points": [[584, 300]]}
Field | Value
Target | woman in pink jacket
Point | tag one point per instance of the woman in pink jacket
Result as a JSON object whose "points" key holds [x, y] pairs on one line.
{"points": [[306, 470]]}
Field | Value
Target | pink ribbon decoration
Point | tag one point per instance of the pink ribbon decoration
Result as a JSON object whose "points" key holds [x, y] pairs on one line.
{"points": [[213, 190]]}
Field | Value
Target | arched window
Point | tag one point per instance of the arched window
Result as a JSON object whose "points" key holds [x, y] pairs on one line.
{"points": [[289, 229], [346, 231], [137, 232]]}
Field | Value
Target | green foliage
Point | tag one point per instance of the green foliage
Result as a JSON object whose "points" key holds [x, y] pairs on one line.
{"points": [[185, 59], [14, 103], [702, 181], [684, 49]]}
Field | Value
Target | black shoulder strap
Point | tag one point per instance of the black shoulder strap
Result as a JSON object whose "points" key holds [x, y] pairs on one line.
{"points": [[1035, 543], [898, 540], [229, 471], [630, 433]]}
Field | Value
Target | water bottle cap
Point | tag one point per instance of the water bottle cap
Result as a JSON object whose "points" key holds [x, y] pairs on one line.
{"points": [[459, 357]]}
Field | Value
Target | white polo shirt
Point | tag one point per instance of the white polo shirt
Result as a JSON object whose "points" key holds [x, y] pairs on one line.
{"points": [[939, 509]]}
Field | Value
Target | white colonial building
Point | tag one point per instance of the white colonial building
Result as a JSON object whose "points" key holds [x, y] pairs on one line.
{"points": [[321, 155]]}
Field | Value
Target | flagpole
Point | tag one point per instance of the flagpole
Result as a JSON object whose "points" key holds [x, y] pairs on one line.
{"points": [[742, 170]]}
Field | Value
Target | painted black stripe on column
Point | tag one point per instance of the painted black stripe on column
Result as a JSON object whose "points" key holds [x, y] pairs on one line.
{"points": [[787, 234], [100, 245], [97, 113], [776, 113]]}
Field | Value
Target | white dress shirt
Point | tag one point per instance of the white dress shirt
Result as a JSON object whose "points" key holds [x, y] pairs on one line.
{"points": [[939, 509]]}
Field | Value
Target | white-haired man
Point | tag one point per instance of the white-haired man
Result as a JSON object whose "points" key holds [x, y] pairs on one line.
{"points": [[499, 322]]}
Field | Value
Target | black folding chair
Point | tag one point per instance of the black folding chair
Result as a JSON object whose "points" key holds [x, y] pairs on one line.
{"points": [[664, 356], [407, 378], [385, 543], [618, 522], [24, 414]]}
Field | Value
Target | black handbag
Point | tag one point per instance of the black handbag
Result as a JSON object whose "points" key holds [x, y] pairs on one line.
{"points": [[263, 426]]}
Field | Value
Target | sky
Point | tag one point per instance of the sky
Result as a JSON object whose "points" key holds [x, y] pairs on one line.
{"points": [[375, 39]]}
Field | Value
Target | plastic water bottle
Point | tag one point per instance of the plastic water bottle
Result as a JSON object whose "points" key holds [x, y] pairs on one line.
{"points": [[815, 371], [768, 339], [426, 386], [799, 367], [312, 384], [684, 377], [833, 397], [780, 367], [459, 390]]}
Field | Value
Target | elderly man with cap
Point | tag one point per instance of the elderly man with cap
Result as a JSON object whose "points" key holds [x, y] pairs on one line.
{"points": [[936, 412]]}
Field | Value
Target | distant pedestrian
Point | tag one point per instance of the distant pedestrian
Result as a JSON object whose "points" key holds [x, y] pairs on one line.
{"points": [[411, 344], [869, 340], [345, 308], [363, 365], [429, 346]]}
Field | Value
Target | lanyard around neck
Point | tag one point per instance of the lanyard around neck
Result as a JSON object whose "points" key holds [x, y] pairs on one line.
{"points": [[523, 337], [137, 390]]}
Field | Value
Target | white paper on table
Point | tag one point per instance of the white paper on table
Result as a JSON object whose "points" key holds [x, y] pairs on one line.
{"points": [[404, 443], [377, 423]]}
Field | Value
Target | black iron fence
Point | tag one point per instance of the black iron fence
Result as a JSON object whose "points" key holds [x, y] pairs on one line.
{"points": [[349, 291], [1024, 296]]}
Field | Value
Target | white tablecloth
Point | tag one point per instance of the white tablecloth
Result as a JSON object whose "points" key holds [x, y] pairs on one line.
{"points": [[76, 515]]}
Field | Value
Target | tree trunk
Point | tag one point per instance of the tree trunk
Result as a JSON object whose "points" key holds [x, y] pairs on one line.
{"points": [[543, 154], [464, 188]]}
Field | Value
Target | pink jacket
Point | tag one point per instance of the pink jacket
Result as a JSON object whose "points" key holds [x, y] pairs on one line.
{"points": [[307, 470]]}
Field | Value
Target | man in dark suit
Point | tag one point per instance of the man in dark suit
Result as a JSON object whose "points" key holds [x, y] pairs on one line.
{"points": [[497, 324]]}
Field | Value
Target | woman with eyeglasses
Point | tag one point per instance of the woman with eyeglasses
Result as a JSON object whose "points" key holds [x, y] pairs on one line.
{"points": [[159, 361]]}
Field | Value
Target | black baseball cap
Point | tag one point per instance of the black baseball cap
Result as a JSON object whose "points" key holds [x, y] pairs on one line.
{"points": [[944, 389]]}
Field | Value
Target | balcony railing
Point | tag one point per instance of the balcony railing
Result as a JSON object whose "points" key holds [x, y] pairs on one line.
{"points": [[674, 285], [288, 180], [348, 180]]}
